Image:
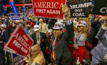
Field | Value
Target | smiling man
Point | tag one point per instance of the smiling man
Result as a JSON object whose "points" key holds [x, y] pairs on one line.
{"points": [[60, 51]]}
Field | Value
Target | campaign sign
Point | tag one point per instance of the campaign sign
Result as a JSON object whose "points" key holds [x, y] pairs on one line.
{"points": [[80, 9], [31, 11], [48, 8], [100, 7], [17, 60], [15, 16], [19, 43]]}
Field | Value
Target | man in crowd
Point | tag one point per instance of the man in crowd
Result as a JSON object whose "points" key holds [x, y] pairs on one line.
{"points": [[36, 22], [32, 34], [95, 28], [5, 34], [60, 51], [100, 51], [41, 40], [43, 26]]}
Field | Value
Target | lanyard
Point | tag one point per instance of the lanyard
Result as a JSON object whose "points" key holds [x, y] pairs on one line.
{"points": [[77, 38]]}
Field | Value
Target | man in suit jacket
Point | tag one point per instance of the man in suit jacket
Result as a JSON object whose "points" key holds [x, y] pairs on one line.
{"points": [[60, 51], [95, 28], [32, 34], [41, 40], [5, 33], [99, 53], [43, 26]]}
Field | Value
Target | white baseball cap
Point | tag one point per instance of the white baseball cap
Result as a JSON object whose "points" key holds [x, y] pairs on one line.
{"points": [[81, 23], [36, 27], [58, 25], [3, 26], [50, 30]]}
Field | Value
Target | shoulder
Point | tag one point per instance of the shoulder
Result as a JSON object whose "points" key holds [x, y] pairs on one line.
{"points": [[42, 33], [45, 24]]}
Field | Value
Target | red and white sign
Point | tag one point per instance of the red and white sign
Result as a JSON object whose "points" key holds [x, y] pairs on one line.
{"points": [[48, 8], [19, 43]]}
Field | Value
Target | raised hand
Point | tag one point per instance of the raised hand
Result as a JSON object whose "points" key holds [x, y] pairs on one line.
{"points": [[65, 11]]}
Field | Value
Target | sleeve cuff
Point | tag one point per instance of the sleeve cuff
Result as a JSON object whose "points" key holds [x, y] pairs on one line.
{"points": [[103, 27], [69, 22]]}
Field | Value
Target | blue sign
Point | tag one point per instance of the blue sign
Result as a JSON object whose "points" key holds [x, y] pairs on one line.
{"points": [[17, 60], [24, 8], [15, 16], [31, 11], [13, 7]]}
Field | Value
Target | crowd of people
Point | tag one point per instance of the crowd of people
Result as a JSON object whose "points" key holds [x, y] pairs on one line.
{"points": [[72, 41]]}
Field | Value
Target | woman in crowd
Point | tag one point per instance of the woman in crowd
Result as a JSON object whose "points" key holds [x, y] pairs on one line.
{"points": [[36, 56], [80, 36]]}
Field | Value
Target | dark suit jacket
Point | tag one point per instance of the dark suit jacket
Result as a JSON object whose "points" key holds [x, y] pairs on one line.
{"points": [[63, 56], [95, 28], [44, 42], [6, 35]]}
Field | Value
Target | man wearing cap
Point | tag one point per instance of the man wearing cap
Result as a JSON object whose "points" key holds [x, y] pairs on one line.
{"points": [[99, 53], [60, 51], [41, 39], [43, 26], [5, 33]]}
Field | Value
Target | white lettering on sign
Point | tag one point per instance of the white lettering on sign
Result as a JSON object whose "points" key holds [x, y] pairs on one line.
{"points": [[17, 44], [21, 40], [41, 10], [82, 5], [53, 11], [78, 14], [78, 10], [24, 50], [48, 5], [103, 10], [25, 37]]}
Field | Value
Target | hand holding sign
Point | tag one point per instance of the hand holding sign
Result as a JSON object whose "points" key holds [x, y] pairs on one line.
{"points": [[65, 11], [105, 21]]}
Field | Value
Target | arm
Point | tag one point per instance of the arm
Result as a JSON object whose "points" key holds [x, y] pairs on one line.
{"points": [[100, 34], [69, 34], [94, 24], [102, 31]]}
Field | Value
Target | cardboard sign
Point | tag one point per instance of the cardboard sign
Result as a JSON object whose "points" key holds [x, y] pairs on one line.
{"points": [[80, 10], [19, 43], [15, 16], [48, 8], [100, 7], [17, 60]]}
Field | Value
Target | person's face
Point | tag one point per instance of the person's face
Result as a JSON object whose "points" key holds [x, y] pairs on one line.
{"points": [[57, 32], [36, 19], [50, 33], [41, 21], [79, 28], [37, 31]]}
